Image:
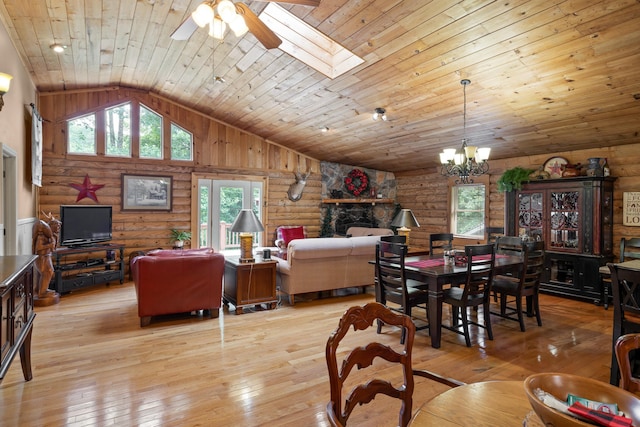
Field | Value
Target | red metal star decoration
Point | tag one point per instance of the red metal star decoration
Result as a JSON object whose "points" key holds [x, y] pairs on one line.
{"points": [[87, 189]]}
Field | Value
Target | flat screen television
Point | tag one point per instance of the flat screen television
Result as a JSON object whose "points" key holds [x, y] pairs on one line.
{"points": [[85, 224]]}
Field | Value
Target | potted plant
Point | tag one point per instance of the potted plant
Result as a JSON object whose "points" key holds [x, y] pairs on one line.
{"points": [[178, 237], [512, 179]]}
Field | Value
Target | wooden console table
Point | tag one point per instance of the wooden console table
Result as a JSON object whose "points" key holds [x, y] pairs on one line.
{"points": [[250, 283], [16, 312]]}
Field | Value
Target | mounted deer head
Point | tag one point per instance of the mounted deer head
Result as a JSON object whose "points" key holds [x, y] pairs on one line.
{"points": [[295, 190]]}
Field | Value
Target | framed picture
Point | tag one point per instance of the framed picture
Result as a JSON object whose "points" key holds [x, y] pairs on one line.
{"points": [[146, 192], [631, 208]]}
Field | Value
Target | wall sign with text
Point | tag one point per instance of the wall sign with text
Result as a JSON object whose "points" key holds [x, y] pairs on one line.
{"points": [[631, 208]]}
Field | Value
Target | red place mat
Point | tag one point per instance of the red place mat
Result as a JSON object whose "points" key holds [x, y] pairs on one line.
{"points": [[423, 263], [437, 262]]}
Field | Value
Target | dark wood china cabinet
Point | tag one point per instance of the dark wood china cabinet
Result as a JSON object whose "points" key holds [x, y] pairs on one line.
{"points": [[574, 217]]}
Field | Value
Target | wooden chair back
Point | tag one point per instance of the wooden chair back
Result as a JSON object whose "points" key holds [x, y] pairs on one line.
{"points": [[359, 318], [625, 286], [396, 238], [390, 272], [480, 262], [439, 242], [629, 248], [533, 265], [509, 245], [493, 233], [624, 347]]}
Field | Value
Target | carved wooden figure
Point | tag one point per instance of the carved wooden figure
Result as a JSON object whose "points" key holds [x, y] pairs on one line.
{"points": [[45, 241]]}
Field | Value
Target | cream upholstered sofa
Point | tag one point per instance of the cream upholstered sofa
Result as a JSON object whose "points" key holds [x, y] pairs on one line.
{"points": [[327, 263]]}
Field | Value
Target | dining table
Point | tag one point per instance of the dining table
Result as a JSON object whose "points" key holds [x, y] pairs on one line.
{"points": [[432, 271], [487, 403]]}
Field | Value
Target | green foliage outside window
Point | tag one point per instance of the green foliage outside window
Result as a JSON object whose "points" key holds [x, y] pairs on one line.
{"points": [[82, 135], [150, 134], [469, 210], [118, 130], [181, 143]]}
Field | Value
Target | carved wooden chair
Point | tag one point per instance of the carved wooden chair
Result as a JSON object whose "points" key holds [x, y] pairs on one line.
{"points": [[625, 347], [439, 242], [625, 284], [475, 292], [360, 318], [393, 285], [524, 284]]}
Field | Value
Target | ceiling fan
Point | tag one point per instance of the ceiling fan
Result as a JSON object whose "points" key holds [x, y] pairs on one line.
{"points": [[240, 19]]}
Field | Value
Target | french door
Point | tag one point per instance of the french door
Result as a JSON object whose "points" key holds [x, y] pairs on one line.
{"points": [[220, 201]]}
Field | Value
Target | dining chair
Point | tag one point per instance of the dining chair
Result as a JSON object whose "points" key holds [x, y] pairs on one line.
{"points": [[629, 249], [493, 233], [525, 283], [625, 347], [361, 318], [394, 286], [475, 291], [395, 238], [440, 242], [625, 285]]}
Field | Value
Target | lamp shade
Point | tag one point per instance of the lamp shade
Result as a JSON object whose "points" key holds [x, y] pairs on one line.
{"points": [[246, 222], [406, 219]]}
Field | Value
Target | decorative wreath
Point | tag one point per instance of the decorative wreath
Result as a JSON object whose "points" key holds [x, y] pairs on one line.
{"points": [[357, 182]]}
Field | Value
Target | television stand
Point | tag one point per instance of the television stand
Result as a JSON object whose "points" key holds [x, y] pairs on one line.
{"points": [[80, 267]]}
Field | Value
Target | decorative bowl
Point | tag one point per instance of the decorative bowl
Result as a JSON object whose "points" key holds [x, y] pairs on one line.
{"points": [[560, 385]]}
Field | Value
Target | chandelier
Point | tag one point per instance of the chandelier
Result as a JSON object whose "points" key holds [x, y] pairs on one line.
{"points": [[470, 160]]}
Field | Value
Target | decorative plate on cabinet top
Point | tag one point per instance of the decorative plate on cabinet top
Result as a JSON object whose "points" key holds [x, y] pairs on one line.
{"points": [[554, 166]]}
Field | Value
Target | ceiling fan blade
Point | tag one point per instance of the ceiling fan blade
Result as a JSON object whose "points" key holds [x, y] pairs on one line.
{"points": [[258, 28], [313, 3], [185, 30]]}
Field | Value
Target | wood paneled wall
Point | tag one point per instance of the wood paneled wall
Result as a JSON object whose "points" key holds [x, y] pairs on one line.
{"points": [[425, 191], [218, 150]]}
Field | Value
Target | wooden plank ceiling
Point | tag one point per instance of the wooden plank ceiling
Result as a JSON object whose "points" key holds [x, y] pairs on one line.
{"points": [[545, 75]]}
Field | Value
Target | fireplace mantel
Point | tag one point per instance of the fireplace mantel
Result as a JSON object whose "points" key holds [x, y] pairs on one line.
{"points": [[361, 201]]}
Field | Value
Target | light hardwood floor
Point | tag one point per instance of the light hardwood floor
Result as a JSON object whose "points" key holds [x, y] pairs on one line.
{"points": [[94, 366]]}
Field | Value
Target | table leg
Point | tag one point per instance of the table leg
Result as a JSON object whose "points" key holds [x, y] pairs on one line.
{"points": [[435, 315]]}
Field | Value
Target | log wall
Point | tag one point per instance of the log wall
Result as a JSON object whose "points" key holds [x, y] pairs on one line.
{"points": [[219, 150]]}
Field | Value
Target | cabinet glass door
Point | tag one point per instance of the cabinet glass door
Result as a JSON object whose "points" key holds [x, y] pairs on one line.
{"points": [[530, 214], [565, 220]]}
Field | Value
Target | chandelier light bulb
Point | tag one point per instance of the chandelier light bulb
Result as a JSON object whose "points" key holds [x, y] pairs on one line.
{"points": [[238, 26], [227, 11], [203, 15], [217, 28]]}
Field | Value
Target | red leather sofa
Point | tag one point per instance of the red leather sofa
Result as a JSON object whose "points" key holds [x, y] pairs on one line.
{"points": [[178, 281]]}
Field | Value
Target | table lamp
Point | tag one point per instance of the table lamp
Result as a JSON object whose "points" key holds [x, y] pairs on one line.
{"points": [[246, 223], [404, 220]]}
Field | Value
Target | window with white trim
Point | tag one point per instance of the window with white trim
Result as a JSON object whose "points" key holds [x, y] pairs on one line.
{"points": [[468, 204]]}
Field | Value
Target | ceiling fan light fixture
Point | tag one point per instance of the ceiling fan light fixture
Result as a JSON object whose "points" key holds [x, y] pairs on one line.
{"points": [[238, 26], [379, 114], [227, 11], [217, 27]]}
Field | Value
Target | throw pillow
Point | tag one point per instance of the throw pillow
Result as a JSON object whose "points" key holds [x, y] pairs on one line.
{"points": [[291, 233]]}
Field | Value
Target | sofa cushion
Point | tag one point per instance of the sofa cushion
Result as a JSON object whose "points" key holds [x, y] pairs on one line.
{"points": [[289, 233], [322, 247], [364, 245]]}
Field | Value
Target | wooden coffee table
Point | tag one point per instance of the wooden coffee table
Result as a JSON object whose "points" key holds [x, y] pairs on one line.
{"points": [[250, 284]]}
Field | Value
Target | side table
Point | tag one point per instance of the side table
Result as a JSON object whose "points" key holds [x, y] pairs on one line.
{"points": [[250, 283]]}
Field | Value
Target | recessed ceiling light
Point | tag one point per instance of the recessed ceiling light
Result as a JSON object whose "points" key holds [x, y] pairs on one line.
{"points": [[379, 113], [58, 48], [324, 129]]}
